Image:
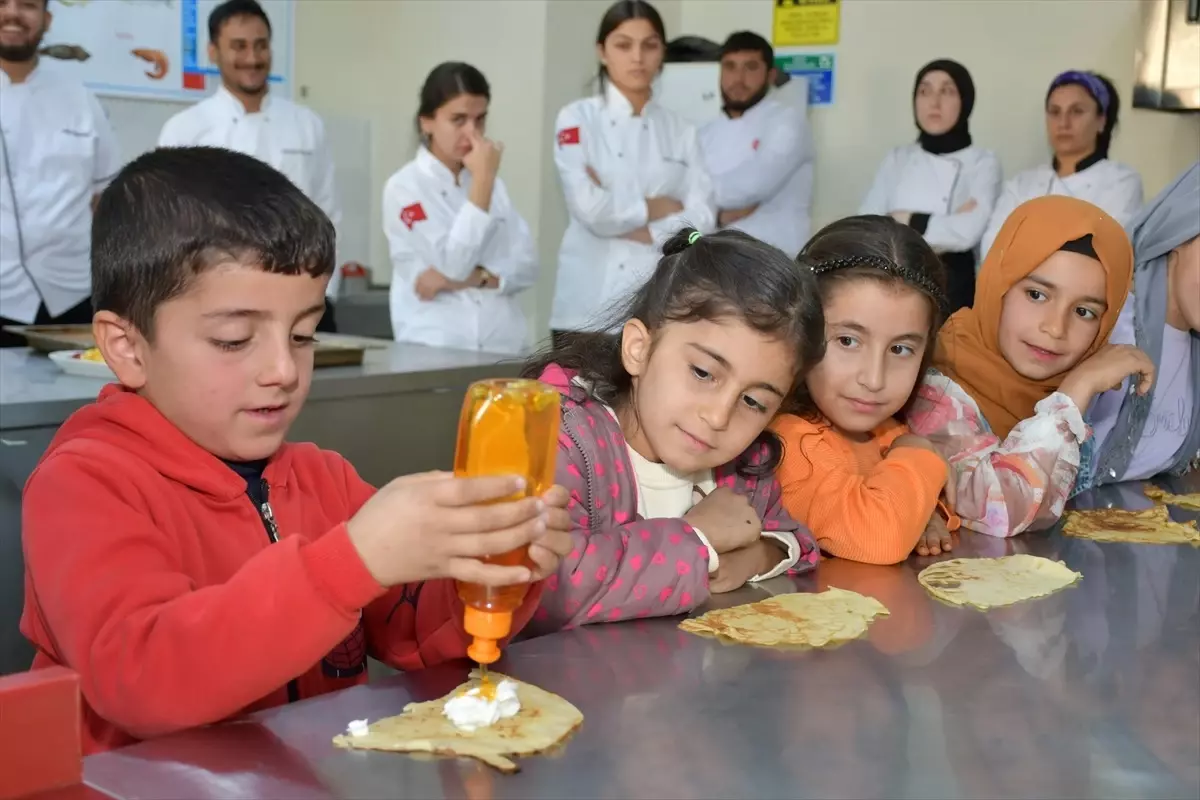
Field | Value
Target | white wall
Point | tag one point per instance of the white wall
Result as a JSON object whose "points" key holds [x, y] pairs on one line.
{"points": [[1013, 49]]}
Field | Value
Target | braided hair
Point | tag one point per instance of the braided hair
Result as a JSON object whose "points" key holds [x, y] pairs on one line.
{"points": [[876, 248]]}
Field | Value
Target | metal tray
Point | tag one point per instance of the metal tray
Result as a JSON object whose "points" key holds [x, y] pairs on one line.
{"points": [[339, 352]]}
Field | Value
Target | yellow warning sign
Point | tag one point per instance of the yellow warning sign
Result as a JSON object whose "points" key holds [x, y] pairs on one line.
{"points": [[805, 22]]}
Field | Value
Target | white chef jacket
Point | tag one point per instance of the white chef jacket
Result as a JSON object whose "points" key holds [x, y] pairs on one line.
{"points": [[764, 158], [635, 157], [61, 153], [429, 222], [1114, 187], [911, 179], [289, 137]]}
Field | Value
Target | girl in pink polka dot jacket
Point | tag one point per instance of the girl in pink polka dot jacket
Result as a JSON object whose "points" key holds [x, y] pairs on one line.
{"points": [[664, 445]]}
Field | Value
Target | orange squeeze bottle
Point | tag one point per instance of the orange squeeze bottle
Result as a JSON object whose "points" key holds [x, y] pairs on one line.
{"points": [[507, 427]]}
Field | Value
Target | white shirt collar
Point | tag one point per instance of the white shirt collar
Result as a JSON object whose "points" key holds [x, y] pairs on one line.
{"points": [[230, 103], [430, 163], [617, 105], [29, 79]]}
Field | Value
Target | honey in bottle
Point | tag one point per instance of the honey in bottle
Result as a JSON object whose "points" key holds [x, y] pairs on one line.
{"points": [[507, 427]]}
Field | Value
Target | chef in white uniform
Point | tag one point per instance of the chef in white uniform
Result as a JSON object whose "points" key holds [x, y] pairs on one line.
{"points": [[759, 151], [242, 115], [461, 253], [631, 171], [1082, 110], [942, 185], [57, 153]]}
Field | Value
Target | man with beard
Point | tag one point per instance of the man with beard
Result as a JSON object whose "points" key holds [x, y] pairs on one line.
{"points": [[57, 153], [242, 115], [758, 151]]}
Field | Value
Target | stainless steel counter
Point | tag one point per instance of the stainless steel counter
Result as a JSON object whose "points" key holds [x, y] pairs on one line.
{"points": [[1092, 692], [34, 392]]}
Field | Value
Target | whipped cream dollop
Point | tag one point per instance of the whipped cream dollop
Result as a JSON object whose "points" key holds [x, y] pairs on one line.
{"points": [[358, 727], [483, 706]]}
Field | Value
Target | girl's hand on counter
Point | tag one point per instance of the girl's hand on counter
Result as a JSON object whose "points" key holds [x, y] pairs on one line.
{"points": [[434, 525], [553, 545], [936, 539], [739, 566]]}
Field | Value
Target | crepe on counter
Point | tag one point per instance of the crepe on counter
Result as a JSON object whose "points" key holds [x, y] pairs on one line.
{"points": [[544, 721], [1189, 501], [985, 583], [1147, 526], [798, 619]]}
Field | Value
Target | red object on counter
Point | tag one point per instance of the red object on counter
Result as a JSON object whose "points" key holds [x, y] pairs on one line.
{"points": [[39, 731]]}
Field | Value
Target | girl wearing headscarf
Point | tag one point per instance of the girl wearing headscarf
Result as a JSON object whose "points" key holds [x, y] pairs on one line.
{"points": [[1082, 111], [1139, 436], [1012, 376], [942, 185]]}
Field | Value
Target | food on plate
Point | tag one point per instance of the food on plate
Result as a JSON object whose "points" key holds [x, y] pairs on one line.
{"points": [[985, 583], [1190, 501], [799, 619], [91, 354], [485, 729], [1147, 526]]}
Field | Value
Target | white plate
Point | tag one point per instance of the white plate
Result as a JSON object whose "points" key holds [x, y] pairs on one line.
{"points": [[67, 361]]}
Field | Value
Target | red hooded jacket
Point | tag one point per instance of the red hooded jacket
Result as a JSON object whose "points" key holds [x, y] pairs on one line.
{"points": [[149, 570]]}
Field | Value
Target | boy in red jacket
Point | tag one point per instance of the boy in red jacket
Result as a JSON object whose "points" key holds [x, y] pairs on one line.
{"points": [[179, 555]]}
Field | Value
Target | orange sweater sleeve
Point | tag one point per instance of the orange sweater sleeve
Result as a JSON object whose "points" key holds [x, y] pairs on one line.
{"points": [[874, 516]]}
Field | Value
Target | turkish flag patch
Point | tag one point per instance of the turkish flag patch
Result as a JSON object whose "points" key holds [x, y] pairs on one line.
{"points": [[754, 146], [411, 215], [568, 136]]}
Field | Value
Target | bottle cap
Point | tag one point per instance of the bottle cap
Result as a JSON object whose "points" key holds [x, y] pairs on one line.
{"points": [[488, 627]]}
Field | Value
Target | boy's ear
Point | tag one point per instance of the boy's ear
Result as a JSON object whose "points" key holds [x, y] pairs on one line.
{"points": [[123, 347], [635, 347]]}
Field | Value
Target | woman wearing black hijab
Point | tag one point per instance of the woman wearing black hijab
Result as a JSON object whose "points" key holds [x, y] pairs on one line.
{"points": [[941, 185]]}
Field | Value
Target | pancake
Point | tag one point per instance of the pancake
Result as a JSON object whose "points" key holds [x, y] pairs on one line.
{"points": [[985, 583], [799, 619], [1189, 501], [1146, 526], [544, 722]]}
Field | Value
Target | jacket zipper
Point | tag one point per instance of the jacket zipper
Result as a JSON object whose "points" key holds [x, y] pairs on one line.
{"points": [[267, 515], [587, 466]]}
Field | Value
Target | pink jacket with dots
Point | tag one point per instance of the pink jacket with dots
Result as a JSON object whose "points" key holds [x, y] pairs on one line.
{"points": [[624, 566]]}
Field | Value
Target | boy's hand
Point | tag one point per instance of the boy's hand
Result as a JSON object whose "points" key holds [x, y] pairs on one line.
{"points": [[555, 543], [739, 566], [435, 525], [726, 519]]}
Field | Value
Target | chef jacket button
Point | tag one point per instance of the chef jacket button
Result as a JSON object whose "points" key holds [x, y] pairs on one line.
{"points": [[620, 155], [620, 266]]}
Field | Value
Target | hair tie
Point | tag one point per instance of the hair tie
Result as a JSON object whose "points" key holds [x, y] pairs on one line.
{"points": [[693, 236]]}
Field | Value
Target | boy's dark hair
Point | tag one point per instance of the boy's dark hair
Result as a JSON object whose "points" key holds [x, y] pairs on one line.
{"points": [[745, 41], [447, 81], [720, 275], [234, 8], [875, 248], [622, 11], [175, 212]]}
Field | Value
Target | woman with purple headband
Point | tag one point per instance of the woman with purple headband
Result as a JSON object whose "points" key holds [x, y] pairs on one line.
{"points": [[1082, 109]]}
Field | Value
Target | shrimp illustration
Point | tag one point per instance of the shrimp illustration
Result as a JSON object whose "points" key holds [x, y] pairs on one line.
{"points": [[155, 57]]}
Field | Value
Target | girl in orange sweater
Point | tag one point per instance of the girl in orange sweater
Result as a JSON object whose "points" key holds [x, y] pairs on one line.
{"points": [[867, 487]]}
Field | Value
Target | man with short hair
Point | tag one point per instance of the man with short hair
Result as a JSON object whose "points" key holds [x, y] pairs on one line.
{"points": [[57, 153], [243, 116], [758, 151]]}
